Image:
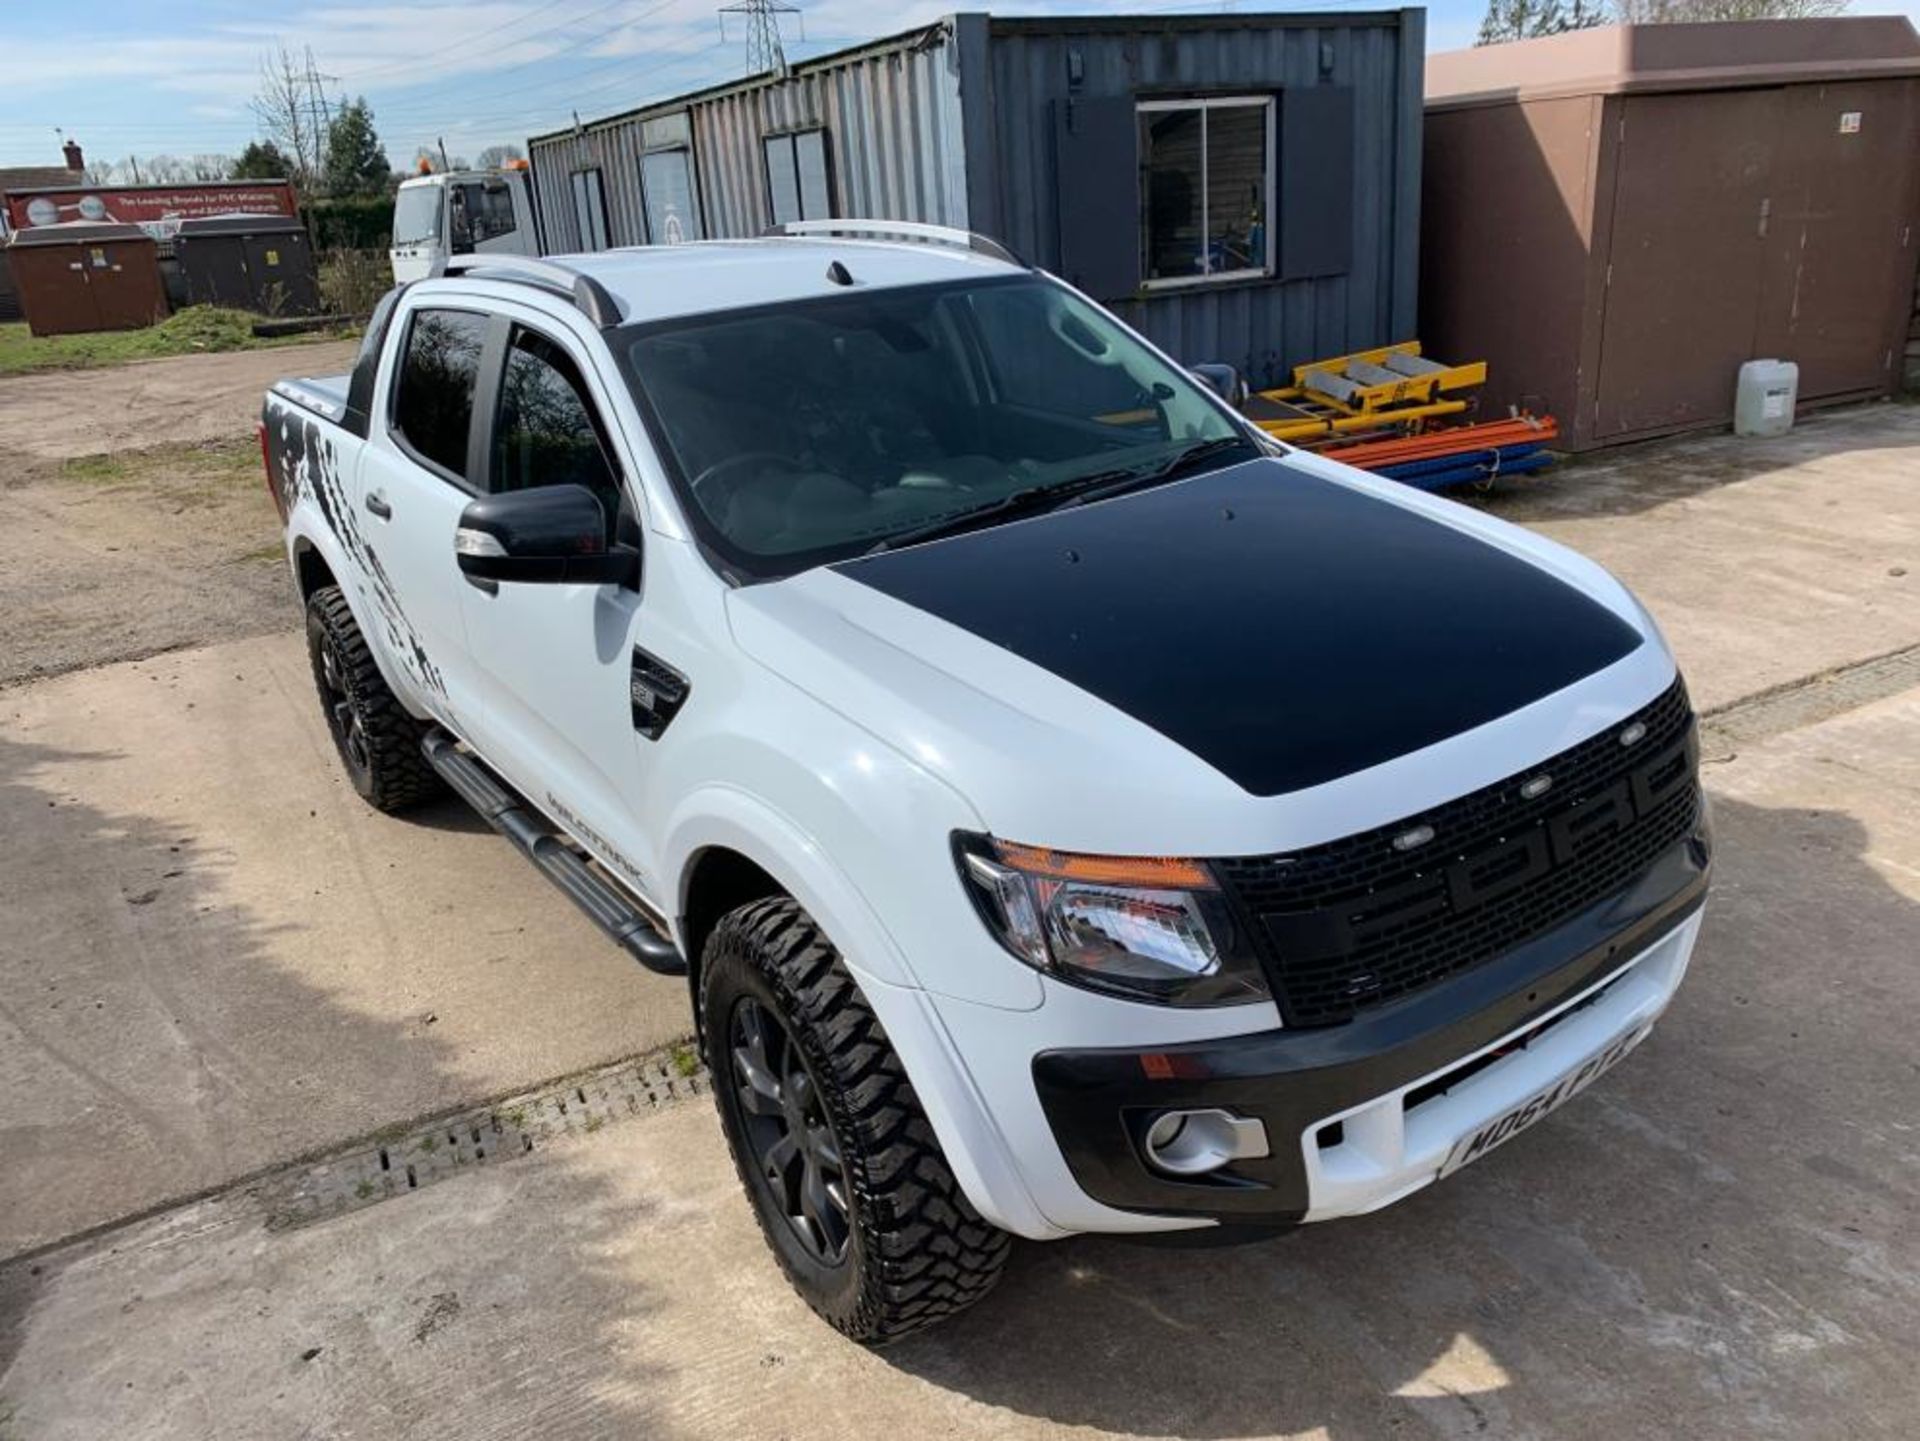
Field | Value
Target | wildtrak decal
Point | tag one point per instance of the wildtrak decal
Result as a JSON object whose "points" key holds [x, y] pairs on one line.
{"points": [[604, 850], [304, 463]]}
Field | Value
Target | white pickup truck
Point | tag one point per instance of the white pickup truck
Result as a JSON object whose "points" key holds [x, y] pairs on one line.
{"points": [[1072, 812]]}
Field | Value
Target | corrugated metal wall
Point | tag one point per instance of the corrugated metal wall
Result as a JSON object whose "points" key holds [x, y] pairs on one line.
{"points": [[1261, 326], [953, 124], [892, 116]]}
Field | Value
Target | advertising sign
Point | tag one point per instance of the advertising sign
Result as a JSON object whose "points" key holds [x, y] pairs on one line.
{"points": [[156, 209]]}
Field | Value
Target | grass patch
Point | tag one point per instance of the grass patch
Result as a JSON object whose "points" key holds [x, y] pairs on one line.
{"points": [[94, 468], [686, 1060], [202, 472], [196, 330]]}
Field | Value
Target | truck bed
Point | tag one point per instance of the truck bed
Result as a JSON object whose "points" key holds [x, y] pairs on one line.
{"points": [[324, 395]]}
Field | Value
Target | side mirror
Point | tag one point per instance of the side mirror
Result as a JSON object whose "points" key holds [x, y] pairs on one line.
{"points": [[1223, 380], [556, 534]]}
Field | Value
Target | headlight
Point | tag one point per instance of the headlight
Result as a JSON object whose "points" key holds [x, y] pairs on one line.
{"points": [[1146, 927]]}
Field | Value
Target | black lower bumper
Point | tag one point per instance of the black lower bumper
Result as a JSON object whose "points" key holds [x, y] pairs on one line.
{"points": [[1099, 1102]]}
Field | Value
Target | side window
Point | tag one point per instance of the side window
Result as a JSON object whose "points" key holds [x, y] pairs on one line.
{"points": [[545, 433], [486, 209], [433, 411]]}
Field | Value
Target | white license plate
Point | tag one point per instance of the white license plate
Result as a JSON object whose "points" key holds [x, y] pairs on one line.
{"points": [[1511, 1123]]}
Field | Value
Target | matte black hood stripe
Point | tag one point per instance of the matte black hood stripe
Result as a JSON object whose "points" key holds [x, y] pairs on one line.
{"points": [[1286, 630]]}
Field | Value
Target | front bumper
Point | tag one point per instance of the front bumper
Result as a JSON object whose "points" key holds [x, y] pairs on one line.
{"points": [[1361, 1114]]}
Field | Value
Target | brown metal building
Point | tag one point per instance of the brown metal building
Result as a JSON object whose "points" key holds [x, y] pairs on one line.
{"points": [[1615, 219], [81, 276]]}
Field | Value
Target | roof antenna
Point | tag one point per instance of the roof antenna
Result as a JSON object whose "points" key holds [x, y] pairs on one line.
{"points": [[839, 274]]}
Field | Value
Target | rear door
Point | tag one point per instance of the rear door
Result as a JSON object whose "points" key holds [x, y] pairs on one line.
{"points": [[1841, 256], [415, 480], [560, 718]]}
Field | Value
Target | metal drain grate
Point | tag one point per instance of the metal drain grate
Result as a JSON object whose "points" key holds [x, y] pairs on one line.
{"points": [[392, 1165], [1809, 701]]}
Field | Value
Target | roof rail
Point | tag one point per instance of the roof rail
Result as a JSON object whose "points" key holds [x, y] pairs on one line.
{"points": [[907, 229], [592, 298]]}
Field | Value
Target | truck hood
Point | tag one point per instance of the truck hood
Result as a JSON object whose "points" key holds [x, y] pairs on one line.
{"points": [[1216, 657]]}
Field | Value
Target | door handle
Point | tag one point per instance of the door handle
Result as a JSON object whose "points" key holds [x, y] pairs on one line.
{"points": [[377, 503]]}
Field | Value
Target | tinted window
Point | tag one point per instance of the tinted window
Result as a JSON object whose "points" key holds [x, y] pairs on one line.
{"points": [[807, 431], [434, 410], [483, 212], [546, 434]]}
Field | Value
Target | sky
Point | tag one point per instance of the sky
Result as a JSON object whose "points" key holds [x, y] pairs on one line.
{"points": [[174, 77]]}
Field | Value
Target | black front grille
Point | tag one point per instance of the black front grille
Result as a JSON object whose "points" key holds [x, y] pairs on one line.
{"points": [[1357, 922]]}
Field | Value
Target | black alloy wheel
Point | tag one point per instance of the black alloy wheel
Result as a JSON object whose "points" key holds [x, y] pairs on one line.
{"points": [[343, 714], [798, 1160]]}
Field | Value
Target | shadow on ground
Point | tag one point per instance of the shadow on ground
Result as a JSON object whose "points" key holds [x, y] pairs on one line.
{"points": [[380, 1358]]}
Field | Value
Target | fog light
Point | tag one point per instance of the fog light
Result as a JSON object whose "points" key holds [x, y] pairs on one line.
{"points": [[1192, 1143]]}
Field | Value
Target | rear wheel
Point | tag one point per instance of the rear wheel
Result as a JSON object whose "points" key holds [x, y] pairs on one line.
{"points": [[845, 1175], [379, 743]]}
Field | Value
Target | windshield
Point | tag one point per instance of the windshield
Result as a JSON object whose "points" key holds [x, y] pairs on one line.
{"points": [[806, 432], [416, 215]]}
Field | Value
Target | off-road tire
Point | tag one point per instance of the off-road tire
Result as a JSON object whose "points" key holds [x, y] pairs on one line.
{"points": [[917, 1251], [378, 742]]}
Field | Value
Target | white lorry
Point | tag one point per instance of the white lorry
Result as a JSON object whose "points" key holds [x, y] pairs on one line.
{"points": [[461, 212], [1073, 812]]}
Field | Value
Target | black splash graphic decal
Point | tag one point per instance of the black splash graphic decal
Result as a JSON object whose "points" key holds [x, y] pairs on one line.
{"points": [[304, 463]]}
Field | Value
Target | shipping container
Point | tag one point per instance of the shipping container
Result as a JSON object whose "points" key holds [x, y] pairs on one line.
{"points": [[1617, 219], [1242, 188]]}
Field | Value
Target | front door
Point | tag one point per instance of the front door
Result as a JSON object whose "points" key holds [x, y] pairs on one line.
{"points": [[559, 720], [414, 482]]}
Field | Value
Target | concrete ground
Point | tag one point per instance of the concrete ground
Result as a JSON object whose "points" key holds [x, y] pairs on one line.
{"points": [[215, 956], [214, 962], [1718, 1241]]}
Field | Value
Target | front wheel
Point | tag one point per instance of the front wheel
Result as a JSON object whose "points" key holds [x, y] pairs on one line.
{"points": [[846, 1177]]}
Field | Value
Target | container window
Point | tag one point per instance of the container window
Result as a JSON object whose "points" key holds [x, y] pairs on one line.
{"points": [[666, 184], [1206, 182], [433, 411], [590, 209], [797, 179]]}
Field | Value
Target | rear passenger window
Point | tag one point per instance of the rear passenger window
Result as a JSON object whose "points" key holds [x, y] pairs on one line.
{"points": [[434, 410], [546, 434]]}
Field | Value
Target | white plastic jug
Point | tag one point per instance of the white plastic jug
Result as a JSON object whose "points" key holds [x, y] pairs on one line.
{"points": [[1763, 404]]}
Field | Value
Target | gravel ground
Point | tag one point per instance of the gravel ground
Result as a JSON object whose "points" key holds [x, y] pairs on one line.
{"points": [[135, 513]]}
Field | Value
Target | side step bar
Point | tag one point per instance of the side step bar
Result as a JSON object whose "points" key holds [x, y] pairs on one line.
{"points": [[624, 922]]}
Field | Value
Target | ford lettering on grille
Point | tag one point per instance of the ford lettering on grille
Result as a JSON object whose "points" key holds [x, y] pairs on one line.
{"points": [[1361, 921]]}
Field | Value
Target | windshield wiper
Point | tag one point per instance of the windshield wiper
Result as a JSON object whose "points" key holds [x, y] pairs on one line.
{"points": [[1117, 482], [1059, 494], [1032, 497]]}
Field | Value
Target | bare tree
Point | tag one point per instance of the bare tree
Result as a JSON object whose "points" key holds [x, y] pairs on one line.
{"points": [[284, 106], [1666, 12], [495, 157]]}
